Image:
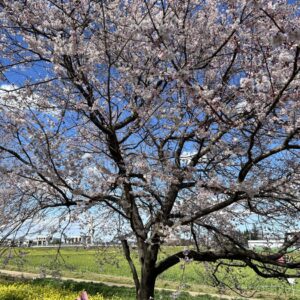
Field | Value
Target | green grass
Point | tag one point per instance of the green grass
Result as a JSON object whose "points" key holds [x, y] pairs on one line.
{"points": [[109, 265]]}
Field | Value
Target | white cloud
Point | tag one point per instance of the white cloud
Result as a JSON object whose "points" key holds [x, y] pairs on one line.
{"points": [[186, 156], [14, 98]]}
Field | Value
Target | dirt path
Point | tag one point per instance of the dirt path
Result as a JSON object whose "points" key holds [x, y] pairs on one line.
{"points": [[28, 275]]}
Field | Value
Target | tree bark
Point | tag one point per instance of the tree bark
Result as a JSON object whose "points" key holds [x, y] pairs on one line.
{"points": [[145, 281], [147, 284], [148, 257]]}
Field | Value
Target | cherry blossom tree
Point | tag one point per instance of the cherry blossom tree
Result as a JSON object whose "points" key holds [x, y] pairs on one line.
{"points": [[172, 117]]}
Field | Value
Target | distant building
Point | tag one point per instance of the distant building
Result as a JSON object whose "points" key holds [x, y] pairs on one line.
{"points": [[275, 243], [82, 239], [272, 243], [44, 241], [38, 241], [41, 241]]}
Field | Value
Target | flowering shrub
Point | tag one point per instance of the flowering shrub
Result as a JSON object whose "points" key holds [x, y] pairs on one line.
{"points": [[25, 291]]}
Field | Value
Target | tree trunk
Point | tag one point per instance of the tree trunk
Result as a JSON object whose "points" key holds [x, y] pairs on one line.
{"points": [[148, 257], [147, 284]]}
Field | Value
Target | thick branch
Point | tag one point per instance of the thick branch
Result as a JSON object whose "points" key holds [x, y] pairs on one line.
{"points": [[236, 254]]}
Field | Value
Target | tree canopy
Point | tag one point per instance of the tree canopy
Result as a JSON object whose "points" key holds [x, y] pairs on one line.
{"points": [[170, 117]]}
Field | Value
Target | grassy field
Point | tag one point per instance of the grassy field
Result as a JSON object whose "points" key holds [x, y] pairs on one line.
{"points": [[108, 265]]}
